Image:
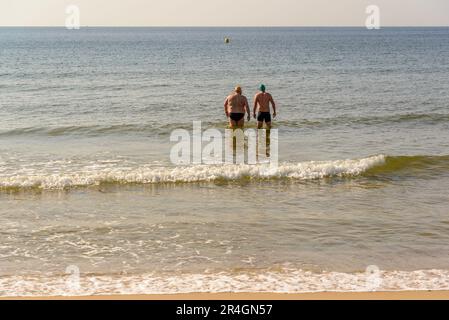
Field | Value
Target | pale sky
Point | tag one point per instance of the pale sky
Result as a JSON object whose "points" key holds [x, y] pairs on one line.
{"points": [[224, 12]]}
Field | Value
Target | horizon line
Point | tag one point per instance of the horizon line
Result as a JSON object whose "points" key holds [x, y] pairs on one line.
{"points": [[209, 26]]}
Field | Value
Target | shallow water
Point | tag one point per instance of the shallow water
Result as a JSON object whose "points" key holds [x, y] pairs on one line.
{"points": [[86, 178]]}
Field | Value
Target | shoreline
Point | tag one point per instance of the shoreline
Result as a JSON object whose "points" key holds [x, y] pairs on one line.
{"points": [[394, 295]]}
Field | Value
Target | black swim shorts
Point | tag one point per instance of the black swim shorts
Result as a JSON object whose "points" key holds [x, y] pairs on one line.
{"points": [[264, 116], [236, 116]]}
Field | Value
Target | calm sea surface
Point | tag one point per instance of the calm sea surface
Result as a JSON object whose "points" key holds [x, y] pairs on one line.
{"points": [[86, 181]]}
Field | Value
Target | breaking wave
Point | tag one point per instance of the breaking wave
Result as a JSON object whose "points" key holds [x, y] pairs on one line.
{"points": [[379, 166], [188, 174], [287, 281]]}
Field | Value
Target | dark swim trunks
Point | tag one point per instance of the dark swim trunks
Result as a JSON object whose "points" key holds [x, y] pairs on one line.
{"points": [[264, 116], [236, 116]]}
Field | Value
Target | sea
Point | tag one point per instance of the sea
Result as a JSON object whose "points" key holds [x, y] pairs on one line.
{"points": [[91, 202]]}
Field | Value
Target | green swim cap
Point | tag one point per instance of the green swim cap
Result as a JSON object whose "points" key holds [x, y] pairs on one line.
{"points": [[262, 88]]}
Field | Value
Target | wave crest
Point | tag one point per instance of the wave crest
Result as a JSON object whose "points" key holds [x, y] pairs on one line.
{"points": [[284, 281], [380, 167], [190, 174]]}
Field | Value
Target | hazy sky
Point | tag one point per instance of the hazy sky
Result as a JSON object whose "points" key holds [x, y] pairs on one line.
{"points": [[224, 12]]}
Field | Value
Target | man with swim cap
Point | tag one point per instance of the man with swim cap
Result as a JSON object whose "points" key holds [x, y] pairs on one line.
{"points": [[262, 102], [235, 107]]}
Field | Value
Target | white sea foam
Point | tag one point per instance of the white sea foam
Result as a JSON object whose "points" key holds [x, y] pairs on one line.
{"points": [[288, 281], [94, 175]]}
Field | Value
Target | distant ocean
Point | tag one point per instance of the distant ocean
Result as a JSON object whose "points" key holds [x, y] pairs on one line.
{"points": [[86, 182]]}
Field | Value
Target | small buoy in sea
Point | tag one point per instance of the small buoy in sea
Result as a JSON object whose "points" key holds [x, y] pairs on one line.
{"points": [[227, 40]]}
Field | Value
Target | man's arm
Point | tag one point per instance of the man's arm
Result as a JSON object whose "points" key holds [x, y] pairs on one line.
{"points": [[247, 109], [274, 106], [226, 108], [255, 105]]}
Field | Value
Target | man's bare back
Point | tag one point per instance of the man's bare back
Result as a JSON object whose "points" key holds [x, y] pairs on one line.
{"points": [[263, 100], [236, 103], [235, 107]]}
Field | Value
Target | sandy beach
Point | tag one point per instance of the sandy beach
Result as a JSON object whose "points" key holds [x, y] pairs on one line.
{"points": [[403, 295]]}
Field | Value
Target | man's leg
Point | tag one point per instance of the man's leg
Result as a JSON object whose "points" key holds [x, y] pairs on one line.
{"points": [[259, 127], [233, 127], [241, 123], [268, 124], [232, 124]]}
